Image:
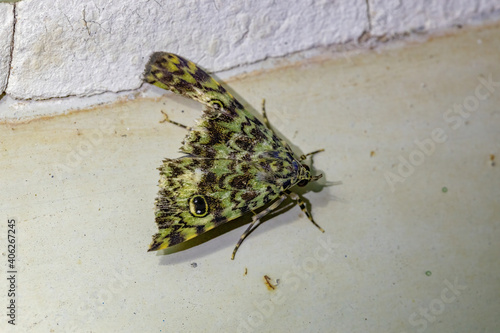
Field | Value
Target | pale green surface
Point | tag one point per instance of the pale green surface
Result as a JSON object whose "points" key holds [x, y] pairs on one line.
{"points": [[83, 233]]}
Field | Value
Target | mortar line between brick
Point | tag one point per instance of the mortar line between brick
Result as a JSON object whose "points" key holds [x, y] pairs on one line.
{"points": [[11, 44], [368, 16]]}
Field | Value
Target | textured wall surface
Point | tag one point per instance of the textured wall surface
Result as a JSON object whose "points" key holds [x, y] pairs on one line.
{"points": [[78, 48], [399, 16], [6, 25], [84, 48]]}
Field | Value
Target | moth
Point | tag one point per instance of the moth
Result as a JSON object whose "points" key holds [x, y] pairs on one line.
{"points": [[233, 162]]}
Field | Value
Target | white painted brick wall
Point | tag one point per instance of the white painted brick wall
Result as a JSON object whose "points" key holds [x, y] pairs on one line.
{"points": [[86, 47], [6, 24], [390, 17]]}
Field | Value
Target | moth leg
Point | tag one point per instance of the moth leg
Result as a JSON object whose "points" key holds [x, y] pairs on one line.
{"points": [[264, 114], [303, 157], [256, 220], [167, 119], [302, 205]]}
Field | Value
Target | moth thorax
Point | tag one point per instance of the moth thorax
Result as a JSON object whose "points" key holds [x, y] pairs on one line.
{"points": [[305, 175], [198, 206]]}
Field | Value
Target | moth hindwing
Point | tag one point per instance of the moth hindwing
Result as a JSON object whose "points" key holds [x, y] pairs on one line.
{"points": [[233, 164]]}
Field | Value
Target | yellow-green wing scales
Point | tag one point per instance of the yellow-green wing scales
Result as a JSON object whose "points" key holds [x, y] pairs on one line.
{"points": [[234, 163], [225, 189], [225, 129]]}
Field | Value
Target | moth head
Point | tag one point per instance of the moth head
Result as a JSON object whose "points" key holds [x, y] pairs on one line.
{"points": [[308, 177], [198, 206]]}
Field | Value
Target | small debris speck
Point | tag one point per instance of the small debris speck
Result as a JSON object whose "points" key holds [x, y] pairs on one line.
{"points": [[428, 273], [268, 283], [194, 265], [444, 189]]}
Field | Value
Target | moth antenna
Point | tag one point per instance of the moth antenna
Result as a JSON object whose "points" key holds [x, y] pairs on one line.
{"points": [[264, 114]]}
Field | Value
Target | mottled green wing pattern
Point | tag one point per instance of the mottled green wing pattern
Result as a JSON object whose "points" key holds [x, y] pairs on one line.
{"points": [[235, 164], [171, 72], [226, 129], [198, 194]]}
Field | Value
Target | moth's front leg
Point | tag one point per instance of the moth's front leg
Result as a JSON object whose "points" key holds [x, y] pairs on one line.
{"points": [[303, 157], [302, 205]]}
